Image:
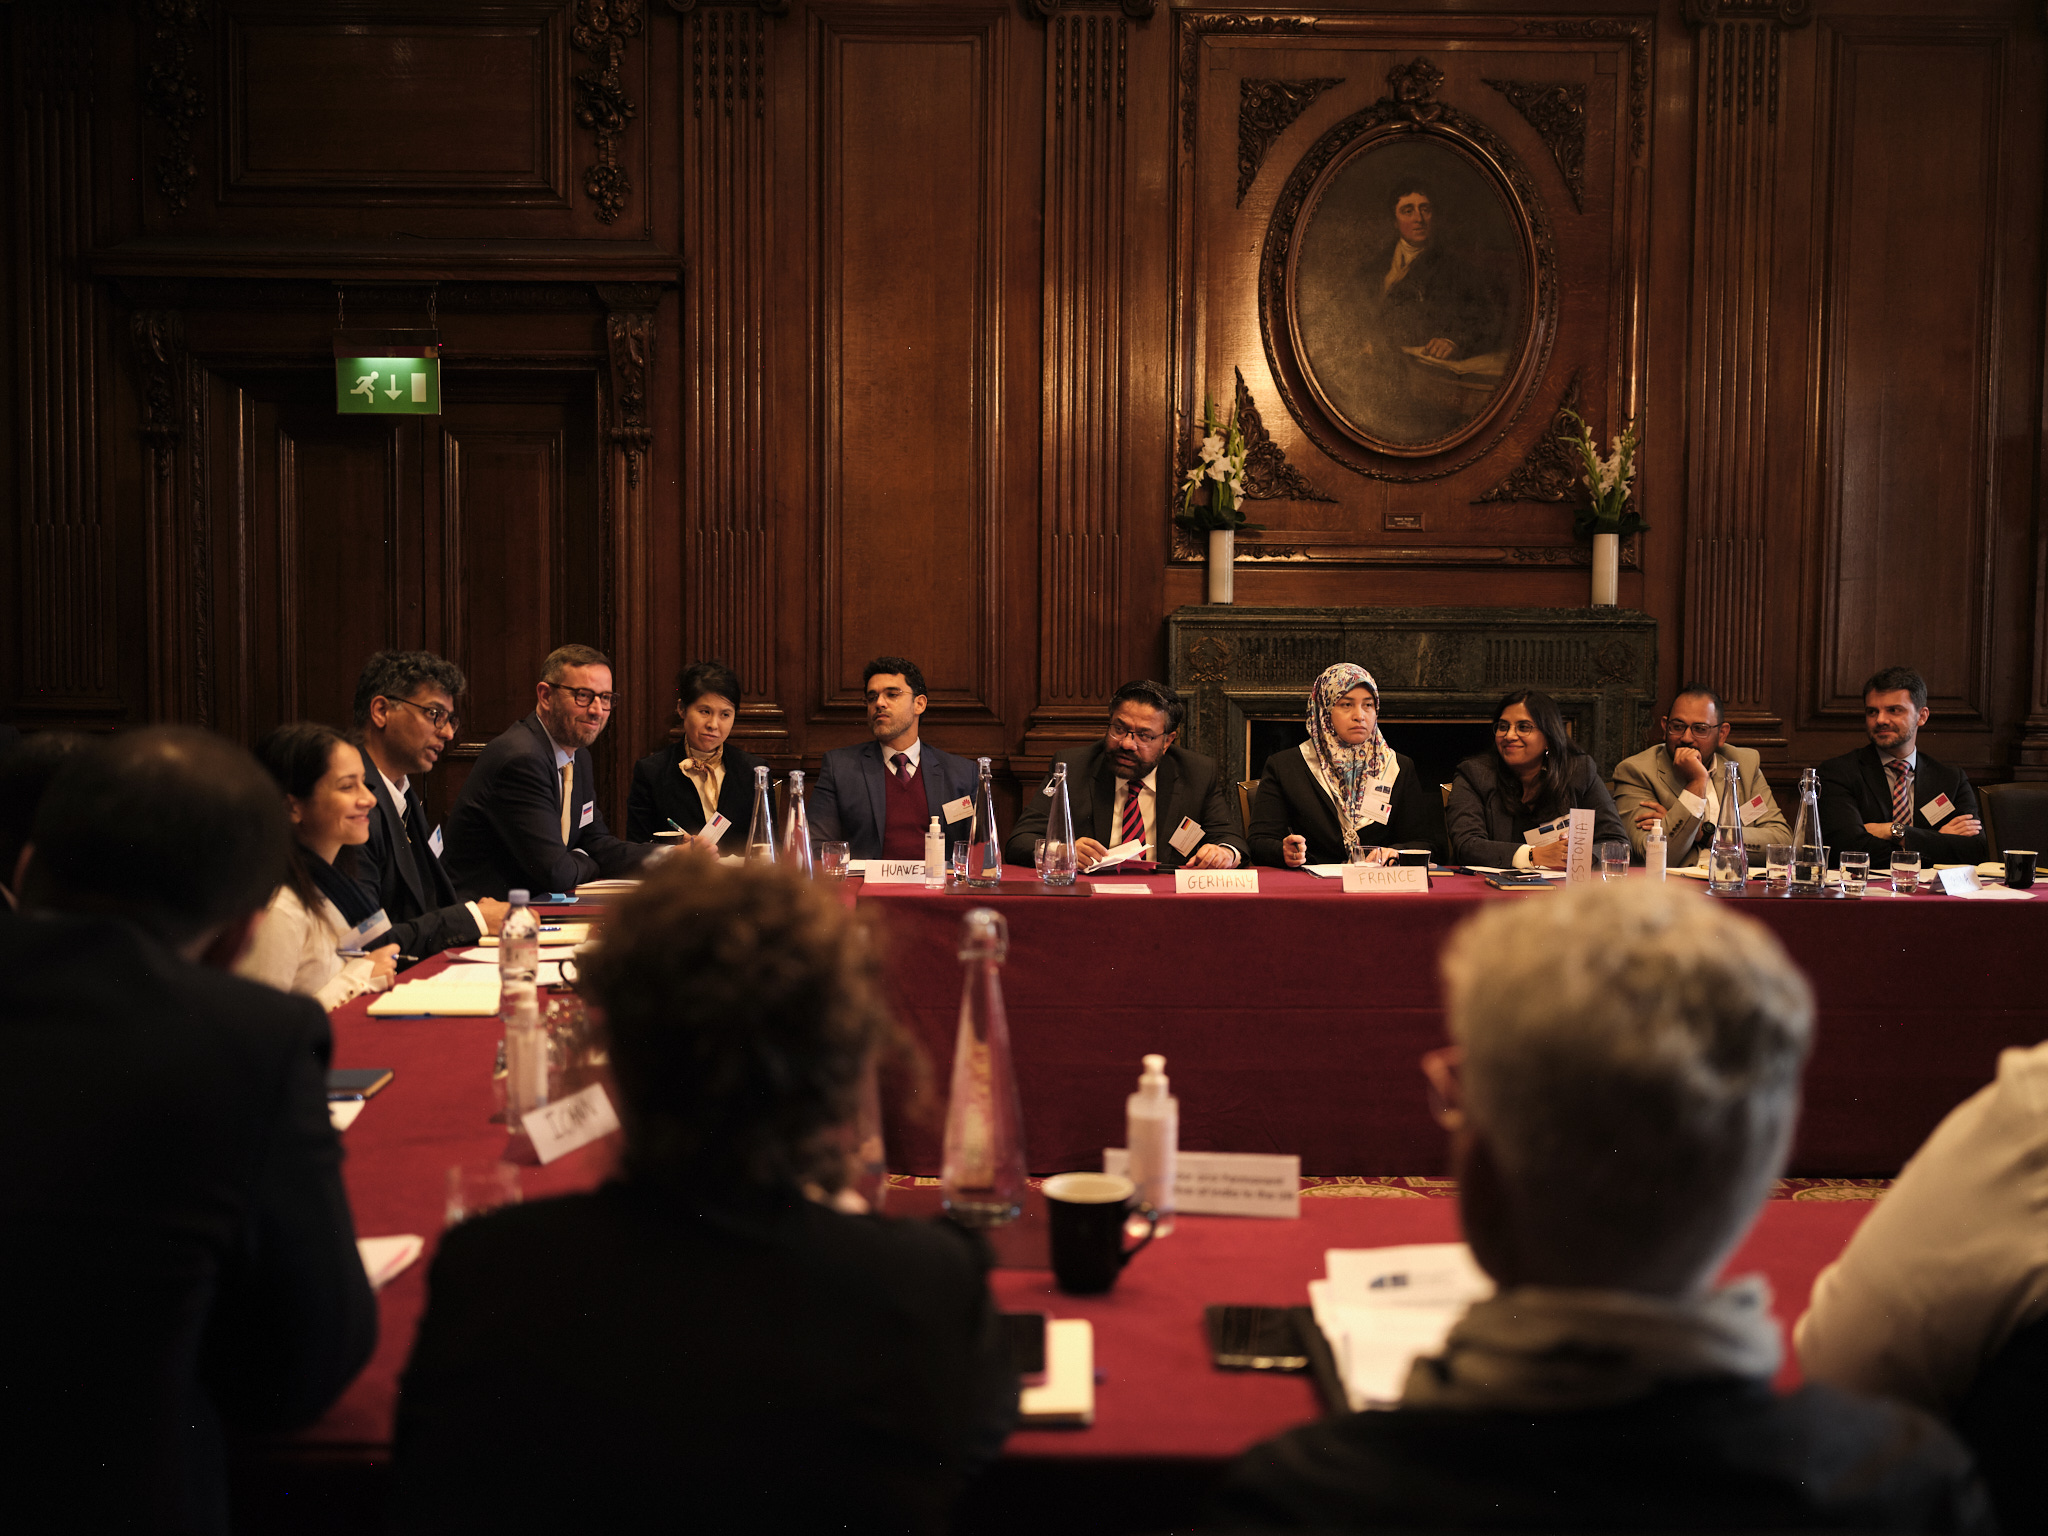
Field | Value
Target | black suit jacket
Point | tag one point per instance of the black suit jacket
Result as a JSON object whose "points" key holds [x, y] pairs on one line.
{"points": [[850, 801], [1290, 800], [505, 832], [758, 1364], [1856, 787], [660, 794], [179, 1248], [1486, 826], [1188, 784], [399, 871]]}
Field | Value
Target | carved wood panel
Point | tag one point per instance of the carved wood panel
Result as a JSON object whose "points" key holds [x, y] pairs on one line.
{"points": [[911, 117]]}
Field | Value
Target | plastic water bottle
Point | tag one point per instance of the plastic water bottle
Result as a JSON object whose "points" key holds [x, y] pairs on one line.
{"points": [[526, 1042], [1152, 1134], [1655, 850]]}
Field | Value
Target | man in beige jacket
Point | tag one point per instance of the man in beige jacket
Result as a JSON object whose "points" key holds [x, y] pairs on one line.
{"points": [[1680, 783]]}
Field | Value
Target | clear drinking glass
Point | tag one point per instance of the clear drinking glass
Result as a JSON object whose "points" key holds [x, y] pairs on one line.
{"points": [[1855, 875], [957, 863], [832, 860], [474, 1188], [1777, 867], [1905, 872], [1613, 860]]}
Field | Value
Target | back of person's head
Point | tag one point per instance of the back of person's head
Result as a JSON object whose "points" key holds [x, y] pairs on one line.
{"points": [[171, 828], [1631, 1070], [25, 776], [400, 674], [741, 1005]]}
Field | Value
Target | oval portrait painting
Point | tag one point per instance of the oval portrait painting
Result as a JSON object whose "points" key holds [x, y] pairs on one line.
{"points": [[1410, 292]]}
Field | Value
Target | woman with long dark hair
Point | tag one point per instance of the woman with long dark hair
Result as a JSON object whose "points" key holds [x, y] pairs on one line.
{"points": [[699, 774], [1533, 775], [320, 909]]}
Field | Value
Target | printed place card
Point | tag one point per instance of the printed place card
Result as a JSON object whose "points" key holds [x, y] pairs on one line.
{"points": [[559, 1129], [1958, 879], [1366, 879], [896, 872], [1578, 856], [1227, 1183], [1212, 882]]}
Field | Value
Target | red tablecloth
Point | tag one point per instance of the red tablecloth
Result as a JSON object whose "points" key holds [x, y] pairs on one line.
{"points": [[1293, 1020]]}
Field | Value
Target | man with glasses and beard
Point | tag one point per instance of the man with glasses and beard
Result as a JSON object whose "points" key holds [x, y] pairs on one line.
{"points": [[1680, 783], [527, 817], [1135, 785]]}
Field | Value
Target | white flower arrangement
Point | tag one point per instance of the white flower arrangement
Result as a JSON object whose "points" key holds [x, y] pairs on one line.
{"points": [[1218, 467], [1607, 481]]}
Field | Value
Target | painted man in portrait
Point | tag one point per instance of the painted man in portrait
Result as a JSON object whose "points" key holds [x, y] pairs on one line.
{"points": [[1430, 319]]}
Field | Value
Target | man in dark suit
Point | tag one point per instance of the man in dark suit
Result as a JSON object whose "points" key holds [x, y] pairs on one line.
{"points": [[1890, 794], [181, 1255], [879, 797], [527, 817], [405, 708], [1136, 785]]}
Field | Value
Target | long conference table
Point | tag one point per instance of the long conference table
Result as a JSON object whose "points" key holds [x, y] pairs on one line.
{"points": [[1292, 1021]]}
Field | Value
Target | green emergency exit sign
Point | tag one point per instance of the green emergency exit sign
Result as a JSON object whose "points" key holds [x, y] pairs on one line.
{"points": [[387, 386]]}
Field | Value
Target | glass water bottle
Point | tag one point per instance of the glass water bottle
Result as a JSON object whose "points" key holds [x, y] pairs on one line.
{"points": [[796, 827], [983, 1177], [1727, 859], [984, 848], [761, 830], [1058, 863], [1809, 859]]}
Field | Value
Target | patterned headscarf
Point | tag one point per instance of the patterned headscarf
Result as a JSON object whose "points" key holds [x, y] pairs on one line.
{"points": [[1346, 773]]}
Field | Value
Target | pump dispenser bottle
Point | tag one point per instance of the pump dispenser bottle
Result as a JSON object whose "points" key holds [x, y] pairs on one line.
{"points": [[934, 856], [1655, 851], [1152, 1133]]}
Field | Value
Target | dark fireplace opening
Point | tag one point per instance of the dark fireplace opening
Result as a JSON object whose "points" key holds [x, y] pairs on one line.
{"points": [[1436, 745]]}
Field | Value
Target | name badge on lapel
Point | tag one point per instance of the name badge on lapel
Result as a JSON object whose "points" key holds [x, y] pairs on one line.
{"points": [[1379, 804], [589, 815], [434, 842], [957, 810], [1938, 810]]}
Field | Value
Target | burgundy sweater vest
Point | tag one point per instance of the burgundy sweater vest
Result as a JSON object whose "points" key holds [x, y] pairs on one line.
{"points": [[908, 814]]}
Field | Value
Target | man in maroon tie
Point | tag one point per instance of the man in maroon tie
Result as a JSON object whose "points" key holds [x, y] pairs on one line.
{"points": [[1890, 794], [879, 797]]}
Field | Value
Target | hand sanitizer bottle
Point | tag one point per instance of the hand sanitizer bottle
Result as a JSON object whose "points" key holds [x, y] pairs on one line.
{"points": [[934, 857], [1655, 850], [1152, 1133]]}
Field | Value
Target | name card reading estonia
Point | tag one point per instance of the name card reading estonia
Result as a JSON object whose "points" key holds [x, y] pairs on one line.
{"points": [[1207, 882], [1227, 1183], [560, 1128], [896, 872], [1368, 878]]}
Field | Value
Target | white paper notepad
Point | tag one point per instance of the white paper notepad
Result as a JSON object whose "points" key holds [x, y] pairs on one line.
{"points": [[1068, 1396], [1383, 1308]]}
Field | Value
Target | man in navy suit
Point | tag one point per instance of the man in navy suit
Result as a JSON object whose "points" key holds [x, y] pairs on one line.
{"points": [[405, 708], [1890, 794], [879, 797], [527, 817]]}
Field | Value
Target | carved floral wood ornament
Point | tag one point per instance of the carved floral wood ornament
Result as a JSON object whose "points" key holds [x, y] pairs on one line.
{"points": [[601, 30]]}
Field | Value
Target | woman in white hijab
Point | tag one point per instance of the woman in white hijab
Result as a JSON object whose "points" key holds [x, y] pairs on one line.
{"points": [[1346, 790]]}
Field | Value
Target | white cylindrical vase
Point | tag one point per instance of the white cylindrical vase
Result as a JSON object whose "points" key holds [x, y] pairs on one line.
{"points": [[1222, 555], [1606, 569]]}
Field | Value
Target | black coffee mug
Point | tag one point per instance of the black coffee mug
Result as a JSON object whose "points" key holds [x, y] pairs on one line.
{"points": [[1087, 1212], [1418, 857], [2019, 868]]}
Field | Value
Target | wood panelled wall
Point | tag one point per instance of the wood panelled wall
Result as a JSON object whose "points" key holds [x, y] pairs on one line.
{"points": [[796, 332]]}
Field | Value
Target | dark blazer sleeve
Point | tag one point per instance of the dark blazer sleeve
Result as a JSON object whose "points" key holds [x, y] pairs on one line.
{"points": [[432, 932], [1416, 818], [643, 815], [1219, 817], [947, 777], [295, 1319], [417, 930], [1589, 792], [1845, 805], [1479, 833], [822, 807], [1275, 817], [1030, 823], [1934, 845], [609, 855]]}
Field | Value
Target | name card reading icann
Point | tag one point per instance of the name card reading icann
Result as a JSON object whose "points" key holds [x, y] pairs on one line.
{"points": [[1364, 879], [1227, 1183], [896, 872], [1210, 882], [559, 1129]]}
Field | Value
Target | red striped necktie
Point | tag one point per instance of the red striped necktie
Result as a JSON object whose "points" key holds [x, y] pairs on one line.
{"points": [[1902, 792], [1133, 828]]}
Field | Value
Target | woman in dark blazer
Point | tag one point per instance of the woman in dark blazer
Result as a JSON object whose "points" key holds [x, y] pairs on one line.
{"points": [[1345, 789], [674, 783], [1534, 774]]}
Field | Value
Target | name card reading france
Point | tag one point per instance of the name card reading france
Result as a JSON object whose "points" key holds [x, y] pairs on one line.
{"points": [[1366, 879], [1210, 882]]}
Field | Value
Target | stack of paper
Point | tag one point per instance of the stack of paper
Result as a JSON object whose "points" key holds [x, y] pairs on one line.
{"points": [[466, 990], [1068, 1396], [550, 933], [607, 887], [1382, 1308]]}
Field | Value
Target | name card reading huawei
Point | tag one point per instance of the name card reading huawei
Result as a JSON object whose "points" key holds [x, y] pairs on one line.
{"points": [[1211, 882], [896, 872], [1365, 879], [559, 1129], [1227, 1183]]}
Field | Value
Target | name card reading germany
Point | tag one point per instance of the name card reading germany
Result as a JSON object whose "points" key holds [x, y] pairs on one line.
{"points": [[1227, 1183], [560, 1128], [1365, 879], [1210, 882], [896, 872]]}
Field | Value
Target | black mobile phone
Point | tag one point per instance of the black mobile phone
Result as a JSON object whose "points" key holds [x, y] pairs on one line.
{"points": [[1026, 1331], [356, 1082], [1255, 1339], [1513, 881]]}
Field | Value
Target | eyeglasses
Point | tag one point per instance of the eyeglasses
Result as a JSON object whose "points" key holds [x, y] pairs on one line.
{"points": [[584, 697], [436, 715], [1515, 728], [1698, 732], [1125, 733], [1444, 1068]]}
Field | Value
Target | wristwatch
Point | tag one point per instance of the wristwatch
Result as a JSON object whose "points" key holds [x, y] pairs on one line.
{"points": [[1899, 829]]}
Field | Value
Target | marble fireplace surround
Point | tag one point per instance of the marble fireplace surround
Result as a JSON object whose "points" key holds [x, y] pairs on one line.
{"points": [[1237, 664]]}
